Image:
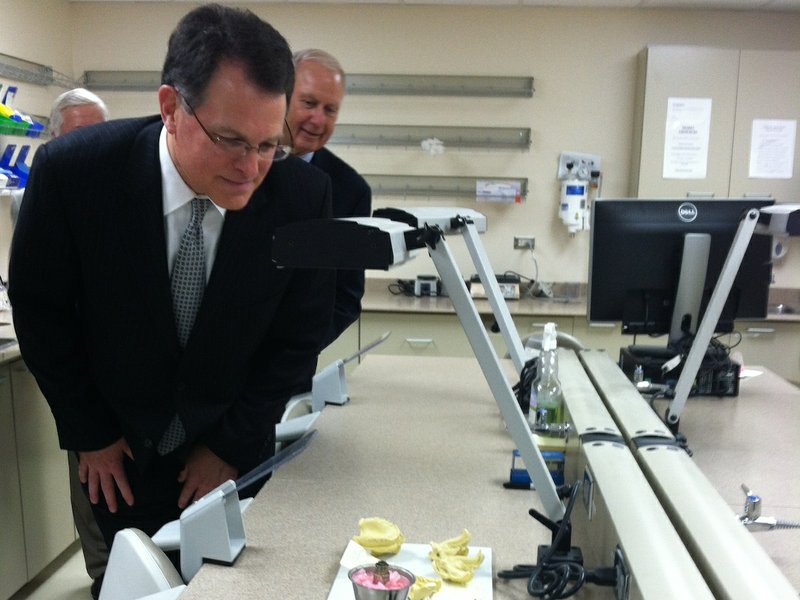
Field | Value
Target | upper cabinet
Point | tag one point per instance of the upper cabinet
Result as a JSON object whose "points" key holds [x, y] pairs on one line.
{"points": [[742, 86]]}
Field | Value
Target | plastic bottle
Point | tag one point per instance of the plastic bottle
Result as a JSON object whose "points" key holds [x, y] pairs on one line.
{"points": [[531, 412], [547, 400]]}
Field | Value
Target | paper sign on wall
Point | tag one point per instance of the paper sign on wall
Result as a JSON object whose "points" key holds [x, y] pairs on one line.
{"points": [[772, 148], [686, 140]]}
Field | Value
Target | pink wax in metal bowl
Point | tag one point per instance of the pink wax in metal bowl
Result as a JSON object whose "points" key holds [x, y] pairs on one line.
{"points": [[381, 581]]}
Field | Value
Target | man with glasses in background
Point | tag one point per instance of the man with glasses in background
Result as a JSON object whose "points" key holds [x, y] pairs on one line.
{"points": [[313, 110], [145, 299]]}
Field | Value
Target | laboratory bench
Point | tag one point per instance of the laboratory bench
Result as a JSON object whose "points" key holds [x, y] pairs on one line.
{"points": [[422, 443], [34, 467]]}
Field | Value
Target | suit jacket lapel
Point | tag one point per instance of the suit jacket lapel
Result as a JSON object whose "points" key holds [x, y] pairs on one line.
{"points": [[143, 211], [242, 251]]}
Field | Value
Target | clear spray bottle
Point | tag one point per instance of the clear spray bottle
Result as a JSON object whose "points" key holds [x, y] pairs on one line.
{"points": [[547, 400]]}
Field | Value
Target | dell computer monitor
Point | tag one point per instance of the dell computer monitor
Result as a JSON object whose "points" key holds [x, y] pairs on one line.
{"points": [[638, 247]]}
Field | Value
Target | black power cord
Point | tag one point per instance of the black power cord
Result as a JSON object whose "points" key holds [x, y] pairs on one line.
{"points": [[559, 572], [402, 286]]}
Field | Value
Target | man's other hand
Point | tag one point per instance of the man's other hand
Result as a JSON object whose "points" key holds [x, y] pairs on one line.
{"points": [[203, 472], [103, 470]]}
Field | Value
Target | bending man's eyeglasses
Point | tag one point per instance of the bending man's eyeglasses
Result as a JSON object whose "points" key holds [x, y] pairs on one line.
{"points": [[237, 148]]}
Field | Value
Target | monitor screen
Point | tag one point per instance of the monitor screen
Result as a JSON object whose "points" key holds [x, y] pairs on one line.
{"points": [[636, 255]]}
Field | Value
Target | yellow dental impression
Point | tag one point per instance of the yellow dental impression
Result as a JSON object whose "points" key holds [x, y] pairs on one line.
{"points": [[450, 559], [379, 536], [424, 587]]}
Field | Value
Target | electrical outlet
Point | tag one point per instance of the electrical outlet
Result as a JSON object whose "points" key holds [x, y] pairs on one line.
{"points": [[582, 165], [524, 242]]}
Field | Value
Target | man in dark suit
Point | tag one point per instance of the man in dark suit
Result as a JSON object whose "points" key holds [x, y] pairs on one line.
{"points": [[72, 110], [313, 110], [161, 403]]}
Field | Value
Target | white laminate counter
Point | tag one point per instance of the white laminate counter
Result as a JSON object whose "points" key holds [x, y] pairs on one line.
{"points": [[754, 439], [421, 444]]}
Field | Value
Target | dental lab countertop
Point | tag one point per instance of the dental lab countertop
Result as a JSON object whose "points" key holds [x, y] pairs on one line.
{"points": [[430, 454]]}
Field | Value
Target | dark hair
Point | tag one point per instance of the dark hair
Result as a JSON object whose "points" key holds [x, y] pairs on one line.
{"points": [[212, 34]]}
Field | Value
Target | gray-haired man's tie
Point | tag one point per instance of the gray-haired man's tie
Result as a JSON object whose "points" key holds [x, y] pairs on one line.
{"points": [[188, 284]]}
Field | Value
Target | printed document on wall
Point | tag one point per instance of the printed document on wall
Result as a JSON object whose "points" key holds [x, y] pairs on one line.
{"points": [[686, 139], [772, 148]]}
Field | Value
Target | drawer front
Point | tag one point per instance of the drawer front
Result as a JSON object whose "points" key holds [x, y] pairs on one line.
{"points": [[415, 334], [601, 336], [773, 345], [528, 326]]}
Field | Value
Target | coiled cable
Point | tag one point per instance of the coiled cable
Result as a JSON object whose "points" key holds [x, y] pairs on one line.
{"points": [[555, 578]]}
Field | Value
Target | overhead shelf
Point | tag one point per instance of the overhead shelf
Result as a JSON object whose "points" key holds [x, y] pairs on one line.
{"points": [[356, 84], [515, 188], [514, 138], [440, 85], [20, 69], [122, 81]]}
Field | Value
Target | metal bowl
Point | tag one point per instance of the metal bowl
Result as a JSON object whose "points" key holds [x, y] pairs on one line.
{"points": [[378, 570]]}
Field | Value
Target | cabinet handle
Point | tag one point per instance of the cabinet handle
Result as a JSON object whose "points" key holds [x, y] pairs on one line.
{"points": [[609, 325], [419, 341], [758, 330]]}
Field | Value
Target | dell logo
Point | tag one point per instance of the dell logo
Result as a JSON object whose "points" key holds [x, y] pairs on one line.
{"points": [[687, 212]]}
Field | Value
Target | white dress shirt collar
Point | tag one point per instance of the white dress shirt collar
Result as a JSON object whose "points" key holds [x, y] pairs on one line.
{"points": [[175, 192]]}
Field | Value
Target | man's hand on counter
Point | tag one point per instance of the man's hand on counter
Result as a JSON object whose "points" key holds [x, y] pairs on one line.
{"points": [[203, 472], [103, 470]]}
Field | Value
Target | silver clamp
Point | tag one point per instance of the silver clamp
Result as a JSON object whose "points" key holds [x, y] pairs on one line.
{"points": [[752, 519]]}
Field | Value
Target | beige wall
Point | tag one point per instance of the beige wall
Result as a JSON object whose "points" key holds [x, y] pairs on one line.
{"points": [[583, 62], [39, 32]]}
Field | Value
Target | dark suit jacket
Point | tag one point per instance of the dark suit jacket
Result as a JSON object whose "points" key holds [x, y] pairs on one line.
{"points": [[89, 283], [352, 197]]}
